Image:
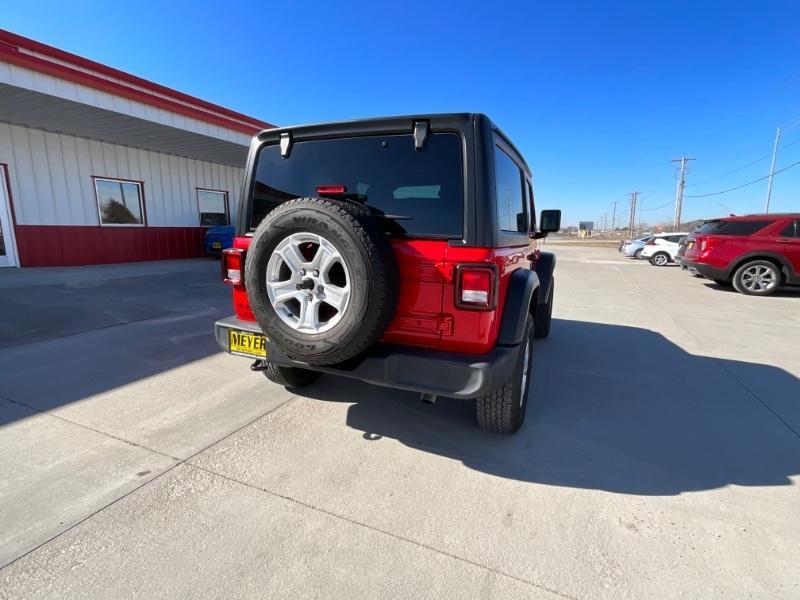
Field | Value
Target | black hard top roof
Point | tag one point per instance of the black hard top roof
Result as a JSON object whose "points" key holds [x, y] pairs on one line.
{"points": [[377, 125]]}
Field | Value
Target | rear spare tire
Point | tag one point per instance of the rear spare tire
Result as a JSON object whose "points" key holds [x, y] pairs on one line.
{"points": [[322, 279]]}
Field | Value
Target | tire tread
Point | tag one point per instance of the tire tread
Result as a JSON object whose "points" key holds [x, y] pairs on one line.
{"points": [[499, 411]]}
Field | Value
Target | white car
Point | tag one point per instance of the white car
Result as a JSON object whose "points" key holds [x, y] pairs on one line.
{"points": [[662, 249]]}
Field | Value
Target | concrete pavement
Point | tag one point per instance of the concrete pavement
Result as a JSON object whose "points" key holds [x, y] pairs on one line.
{"points": [[660, 459]]}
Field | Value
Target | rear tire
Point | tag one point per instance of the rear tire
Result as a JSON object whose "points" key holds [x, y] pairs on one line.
{"points": [[660, 259], [757, 278], [290, 376], [544, 315], [503, 410], [638, 254]]}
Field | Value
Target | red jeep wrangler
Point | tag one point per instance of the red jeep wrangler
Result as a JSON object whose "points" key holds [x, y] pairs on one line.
{"points": [[399, 251]]}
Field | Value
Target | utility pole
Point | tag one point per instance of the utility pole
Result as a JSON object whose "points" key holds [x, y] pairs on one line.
{"points": [[605, 222], [614, 218], [679, 193], [772, 169], [632, 222]]}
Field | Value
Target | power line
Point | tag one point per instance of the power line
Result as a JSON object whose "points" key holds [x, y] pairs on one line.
{"points": [[744, 185], [750, 164], [781, 86], [658, 207]]}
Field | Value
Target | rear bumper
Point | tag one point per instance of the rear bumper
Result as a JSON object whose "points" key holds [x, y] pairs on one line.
{"points": [[703, 269], [415, 369]]}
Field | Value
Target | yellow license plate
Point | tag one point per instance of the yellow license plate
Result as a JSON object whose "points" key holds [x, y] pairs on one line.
{"points": [[244, 343], [216, 245]]}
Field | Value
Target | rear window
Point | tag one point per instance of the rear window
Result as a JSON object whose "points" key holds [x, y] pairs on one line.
{"points": [[412, 192], [732, 227]]}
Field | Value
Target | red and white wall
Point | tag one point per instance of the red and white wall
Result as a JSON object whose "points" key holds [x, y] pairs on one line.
{"points": [[55, 209], [66, 122]]}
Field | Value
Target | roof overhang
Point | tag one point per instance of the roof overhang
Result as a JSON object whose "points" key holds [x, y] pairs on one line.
{"points": [[28, 108], [47, 88]]}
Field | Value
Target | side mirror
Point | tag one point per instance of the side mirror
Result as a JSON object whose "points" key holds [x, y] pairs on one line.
{"points": [[549, 222]]}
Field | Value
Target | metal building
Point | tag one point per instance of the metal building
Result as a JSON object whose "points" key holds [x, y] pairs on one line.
{"points": [[99, 166]]}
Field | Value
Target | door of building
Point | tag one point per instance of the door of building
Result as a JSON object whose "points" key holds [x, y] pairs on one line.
{"points": [[8, 249]]}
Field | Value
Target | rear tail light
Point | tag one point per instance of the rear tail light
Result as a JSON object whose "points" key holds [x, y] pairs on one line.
{"points": [[476, 287], [232, 266]]}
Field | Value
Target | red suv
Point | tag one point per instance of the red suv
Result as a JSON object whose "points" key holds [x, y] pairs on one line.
{"points": [[399, 251], [757, 254]]}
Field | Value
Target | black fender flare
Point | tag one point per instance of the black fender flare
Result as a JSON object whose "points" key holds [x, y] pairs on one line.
{"points": [[522, 290], [545, 265]]}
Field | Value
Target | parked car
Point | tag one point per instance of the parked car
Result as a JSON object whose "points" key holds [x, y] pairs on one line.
{"points": [[757, 254], [662, 249], [399, 251], [218, 239], [634, 247]]}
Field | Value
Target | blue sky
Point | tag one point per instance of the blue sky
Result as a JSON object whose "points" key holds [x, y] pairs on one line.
{"points": [[598, 96]]}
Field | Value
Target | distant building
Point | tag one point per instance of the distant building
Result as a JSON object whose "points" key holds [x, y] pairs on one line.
{"points": [[99, 166]]}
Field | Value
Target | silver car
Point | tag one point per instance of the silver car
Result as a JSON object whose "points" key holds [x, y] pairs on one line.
{"points": [[634, 247]]}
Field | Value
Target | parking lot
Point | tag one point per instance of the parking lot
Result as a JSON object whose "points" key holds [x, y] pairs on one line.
{"points": [[660, 457]]}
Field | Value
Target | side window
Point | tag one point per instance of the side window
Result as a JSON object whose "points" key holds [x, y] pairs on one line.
{"points": [[119, 202], [213, 206], [791, 230], [511, 214]]}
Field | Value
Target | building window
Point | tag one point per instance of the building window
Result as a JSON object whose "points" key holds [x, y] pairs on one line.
{"points": [[119, 202], [213, 207]]}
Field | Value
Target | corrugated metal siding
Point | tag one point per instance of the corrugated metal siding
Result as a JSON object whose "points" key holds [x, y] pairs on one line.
{"points": [[51, 179]]}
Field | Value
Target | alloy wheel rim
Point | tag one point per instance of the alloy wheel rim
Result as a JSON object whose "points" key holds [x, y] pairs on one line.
{"points": [[759, 278], [661, 259], [308, 283]]}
